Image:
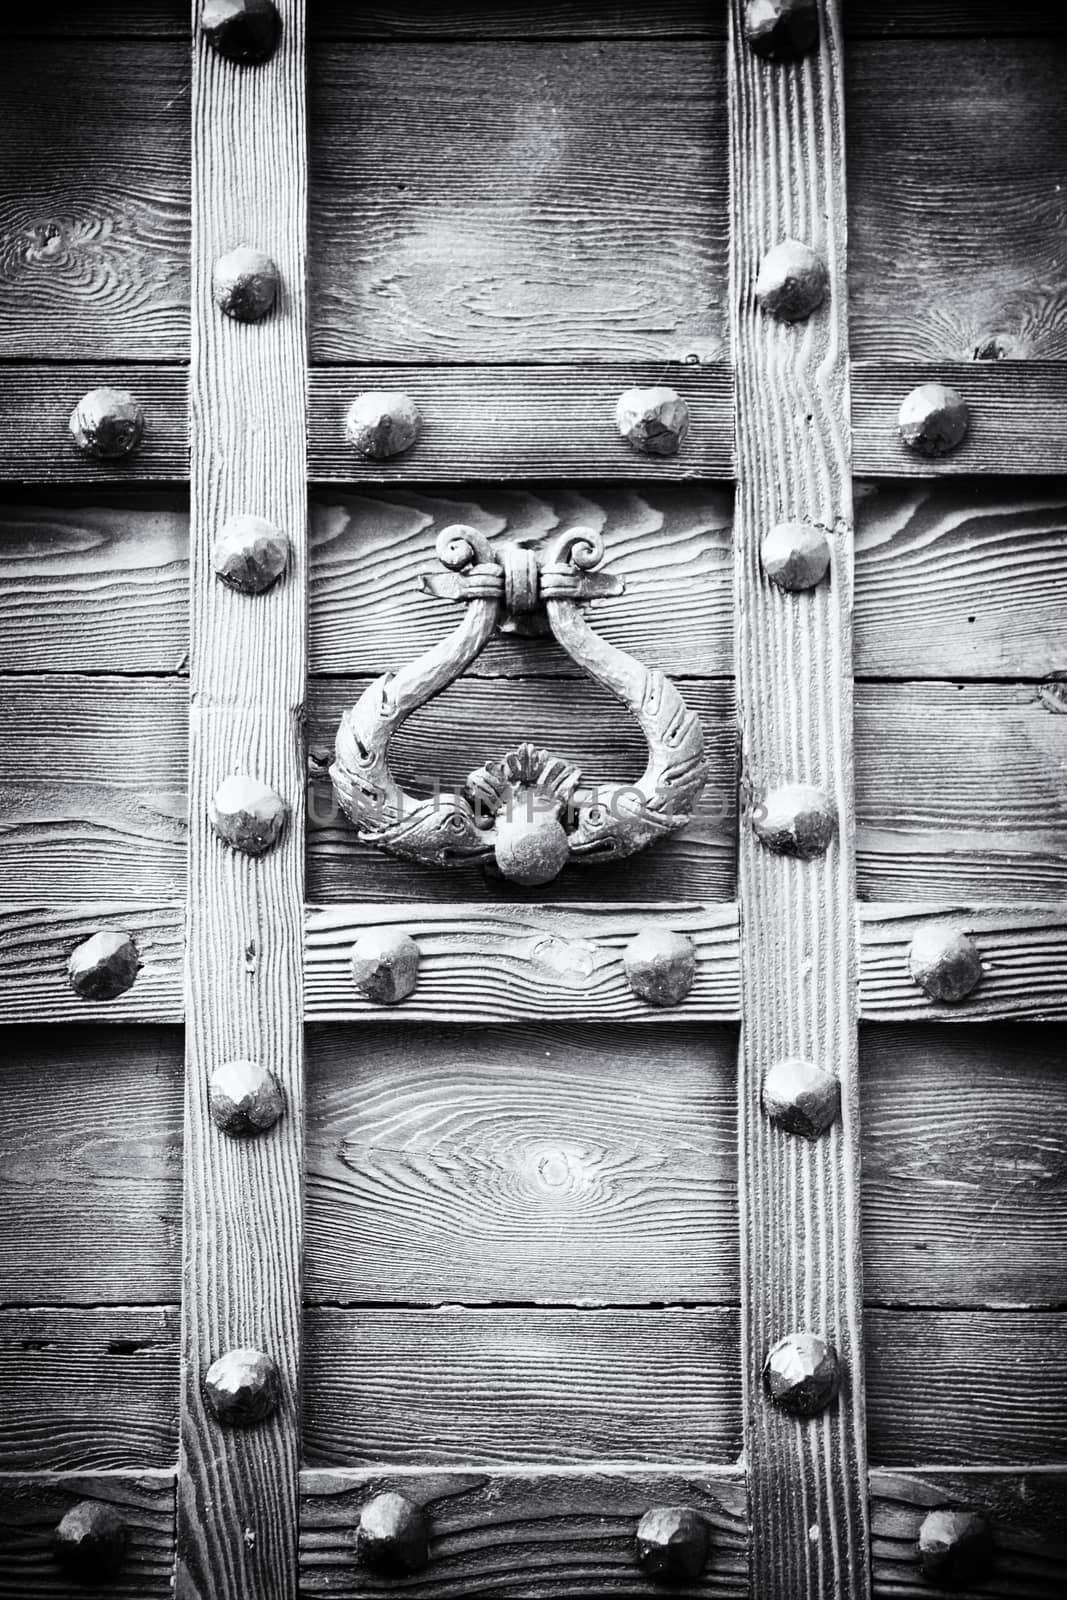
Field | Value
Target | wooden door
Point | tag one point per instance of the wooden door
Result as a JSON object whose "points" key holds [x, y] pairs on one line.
{"points": [[510, 1282]]}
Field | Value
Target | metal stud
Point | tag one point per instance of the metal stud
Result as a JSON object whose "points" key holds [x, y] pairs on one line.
{"points": [[795, 820], [104, 966], [246, 31], [955, 1547], [782, 30], [933, 419], [381, 424], [247, 815], [244, 284], [653, 421], [944, 961], [250, 554], [392, 1536], [660, 965], [802, 1374], [385, 965], [792, 281], [90, 1542], [242, 1387], [795, 556], [672, 1544], [801, 1097], [106, 424], [245, 1098]]}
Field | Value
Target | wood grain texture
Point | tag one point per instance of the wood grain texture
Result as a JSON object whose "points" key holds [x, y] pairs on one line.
{"points": [[35, 406], [917, 19], [458, 1386], [32, 1506], [1027, 1512], [540, 1535], [671, 545], [550, 1164], [964, 1165], [957, 165], [139, 19], [970, 1388], [478, 719], [36, 942], [92, 788], [92, 1390], [961, 579], [800, 1244], [960, 793], [1024, 959], [516, 19], [237, 1489], [563, 207], [90, 1166], [520, 423]]}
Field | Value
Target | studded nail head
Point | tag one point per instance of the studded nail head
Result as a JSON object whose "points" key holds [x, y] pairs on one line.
{"points": [[660, 965], [672, 1544], [247, 815], [802, 1374], [944, 961], [654, 422], [795, 820], [242, 1387], [792, 281], [800, 1097], [934, 419], [795, 556], [250, 554], [106, 424], [244, 31], [392, 1536], [782, 30], [246, 1098], [382, 424], [104, 966], [385, 965], [245, 284], [90, 1542], [955, 1548]]}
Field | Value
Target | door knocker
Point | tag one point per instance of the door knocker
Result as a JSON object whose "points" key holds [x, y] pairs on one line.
{"points": [[529, 810]]}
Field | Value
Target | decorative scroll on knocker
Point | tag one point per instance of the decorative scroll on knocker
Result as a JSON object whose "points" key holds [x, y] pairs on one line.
{"points": [[529, 809]]}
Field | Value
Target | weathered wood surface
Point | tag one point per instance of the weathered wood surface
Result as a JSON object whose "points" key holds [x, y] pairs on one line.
{"points": [[1024, 958], [500, 963], [966, 579], [31, 1506], [960, 792], [1028, 1514], [964, 1165], [92, 1390], [92, 788], [517, 19], [74, 19], [457, 1386], [800, 1248], [36, 942], [971, 1388], [545, 1534], [90, 1166], [957, 160], [35, 406], [566, 1164], [671, 545]]}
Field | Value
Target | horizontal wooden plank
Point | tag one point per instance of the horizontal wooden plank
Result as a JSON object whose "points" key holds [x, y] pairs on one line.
{"points": [[964, 1165], [917, 19], [1027, 1512], [36, 942], [74, 19], [31, 1506], [960, 792], [90, 1166], [499, 963], [92, 788], [537, 1535], [94, 215], [969, 1388], [478, 719], [516, 19], [89, 1390], [1024, 960], [35, 406], [670, 544], [957, 158], [961, 578], [580, 1164], [454, 1386]]}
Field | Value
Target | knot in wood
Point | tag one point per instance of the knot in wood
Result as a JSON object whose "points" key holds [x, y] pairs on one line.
{"points": [[660, 965], [795, 820], [782, 30], [672, 1544], [248, 815], [385, 965], [392, 1536], [245, 1098], [250, 554], [944, 961], [90, 1542], [242, 1387], [531, 843], [652, 421], [244, 284], [246, 31], [955, 1547], [521, 578], [933, 419], [382, 424], [104, 966], [802, 1374], [106, 424], [795, 556], [792, 281], [801, 1097]]}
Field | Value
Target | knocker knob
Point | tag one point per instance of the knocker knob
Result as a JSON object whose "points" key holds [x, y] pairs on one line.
{"points": [[531, 847]]}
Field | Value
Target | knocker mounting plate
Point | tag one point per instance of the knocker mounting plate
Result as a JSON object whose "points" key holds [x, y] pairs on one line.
{"points": [[529, 809]]}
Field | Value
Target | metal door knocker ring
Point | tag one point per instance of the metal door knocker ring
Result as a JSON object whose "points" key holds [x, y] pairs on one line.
{"points": [[529, 810]]}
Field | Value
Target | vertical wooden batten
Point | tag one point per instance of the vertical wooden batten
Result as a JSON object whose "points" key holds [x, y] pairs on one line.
{"points": [[237, 1491], [800, 1248]]}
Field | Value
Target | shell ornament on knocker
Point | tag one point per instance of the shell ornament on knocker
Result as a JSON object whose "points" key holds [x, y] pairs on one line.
{"points": [[527, 810]]}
